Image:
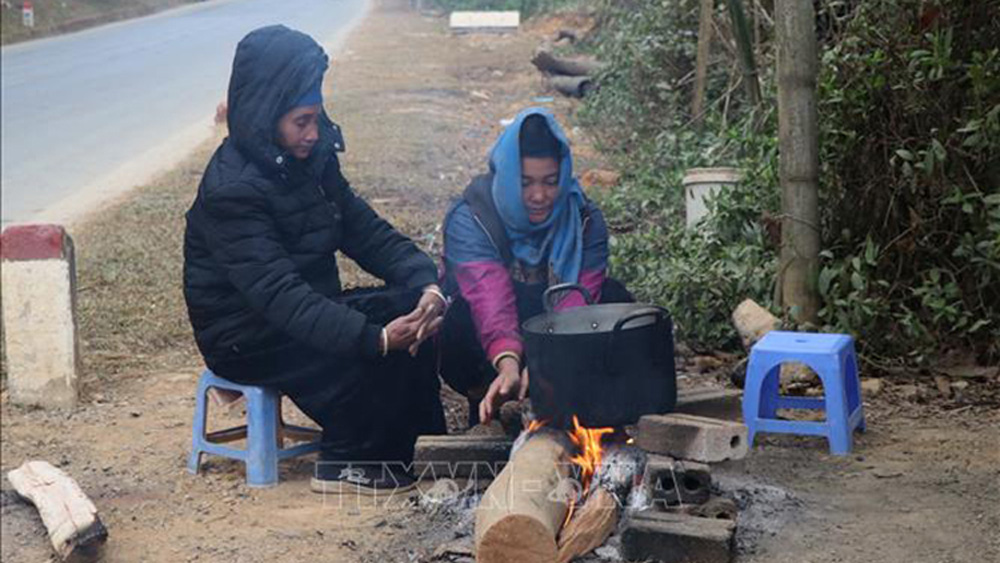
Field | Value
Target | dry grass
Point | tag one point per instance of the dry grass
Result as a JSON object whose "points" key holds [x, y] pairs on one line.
{"points": [[129, 262]]}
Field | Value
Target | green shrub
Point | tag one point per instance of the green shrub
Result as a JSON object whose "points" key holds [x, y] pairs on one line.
{"points": [[909, 98]]}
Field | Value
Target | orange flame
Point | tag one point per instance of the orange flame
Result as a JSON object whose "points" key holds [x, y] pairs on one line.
{"points": [[535, 425], [588, 441]]}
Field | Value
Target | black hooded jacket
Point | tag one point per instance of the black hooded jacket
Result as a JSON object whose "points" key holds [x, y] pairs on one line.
{"points": [[260, 270]]}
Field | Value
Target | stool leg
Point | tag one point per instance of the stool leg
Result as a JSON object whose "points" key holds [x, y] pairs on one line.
{"points": [[770, 391], [262, 438], [758, 393], [837, 414], [198, 427], [853, 383]]}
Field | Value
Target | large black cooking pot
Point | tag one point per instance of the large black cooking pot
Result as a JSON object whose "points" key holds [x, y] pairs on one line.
{"points": [[607, 364]]}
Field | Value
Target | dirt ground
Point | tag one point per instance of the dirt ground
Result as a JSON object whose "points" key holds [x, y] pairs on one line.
{"points": [[420, 108]]}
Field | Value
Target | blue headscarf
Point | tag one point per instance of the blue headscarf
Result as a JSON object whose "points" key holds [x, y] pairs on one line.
{"points": [[559, 239], [312, 97]]}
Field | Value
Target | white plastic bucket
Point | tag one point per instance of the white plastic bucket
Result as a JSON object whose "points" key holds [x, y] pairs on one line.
{"points": [[700, 183]]}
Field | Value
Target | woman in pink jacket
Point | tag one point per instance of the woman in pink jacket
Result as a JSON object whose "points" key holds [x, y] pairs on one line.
{"points": [[518, 230]]}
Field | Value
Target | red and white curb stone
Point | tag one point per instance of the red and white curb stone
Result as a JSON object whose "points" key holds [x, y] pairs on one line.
{"points": [[39, 315]]}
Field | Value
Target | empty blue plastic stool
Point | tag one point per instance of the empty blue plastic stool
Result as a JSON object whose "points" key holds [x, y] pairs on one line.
{"points": [[264, 431], [832, 357]]}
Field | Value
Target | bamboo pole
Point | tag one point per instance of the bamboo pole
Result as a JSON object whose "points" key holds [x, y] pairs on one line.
{"points": [[798, 149], [744, 48], [701, 68]]}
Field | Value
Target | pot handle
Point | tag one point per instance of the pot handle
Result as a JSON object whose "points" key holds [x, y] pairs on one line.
{"points": [[651, 310], [559, 288]]}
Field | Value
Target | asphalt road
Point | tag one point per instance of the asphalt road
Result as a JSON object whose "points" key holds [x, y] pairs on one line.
{"points": [[76, 108]]}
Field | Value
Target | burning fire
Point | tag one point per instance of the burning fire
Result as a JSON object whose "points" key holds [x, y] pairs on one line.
{"points": [[591, 452], [535, 425], [588, 441]]}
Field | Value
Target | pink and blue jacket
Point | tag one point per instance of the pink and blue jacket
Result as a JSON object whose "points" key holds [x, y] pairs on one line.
{"points": [[473, 261]]}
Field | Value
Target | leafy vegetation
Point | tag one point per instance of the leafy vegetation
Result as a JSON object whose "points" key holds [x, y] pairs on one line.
{"points": [[909, 99]]}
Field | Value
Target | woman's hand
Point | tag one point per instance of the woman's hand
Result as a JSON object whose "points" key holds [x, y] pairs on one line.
{"points": [[401, 332], [509, 383], [430, 314]]}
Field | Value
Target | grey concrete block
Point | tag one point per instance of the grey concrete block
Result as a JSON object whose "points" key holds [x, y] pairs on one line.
{"points": [[721, 508], [484, 22], [696, 438], [672, 482], [677, 538], [725, 404], [465, 456]]}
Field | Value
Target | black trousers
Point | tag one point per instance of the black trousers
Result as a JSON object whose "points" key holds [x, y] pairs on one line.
{"points": [[369, 410], [464, 365]]}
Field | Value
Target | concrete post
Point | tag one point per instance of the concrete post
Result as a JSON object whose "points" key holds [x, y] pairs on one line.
{"points": [[39, 315]]}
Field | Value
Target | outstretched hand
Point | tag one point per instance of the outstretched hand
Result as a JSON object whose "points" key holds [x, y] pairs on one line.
{"points": [[507, 385]]}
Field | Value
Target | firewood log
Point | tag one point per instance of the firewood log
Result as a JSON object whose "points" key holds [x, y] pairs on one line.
{"points": [[572, 86], [75, 530], [548, 63], [592, 523], [520, 514], [752, 322]]}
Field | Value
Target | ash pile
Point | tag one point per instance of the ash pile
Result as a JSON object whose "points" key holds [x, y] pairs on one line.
{"points": [[642, 493]]}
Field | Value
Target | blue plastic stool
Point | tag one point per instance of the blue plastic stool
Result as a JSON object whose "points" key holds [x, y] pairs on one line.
{"points": [[265, 432], [832, 357]]}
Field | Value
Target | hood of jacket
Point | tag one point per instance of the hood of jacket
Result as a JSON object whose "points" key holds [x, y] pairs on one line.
{"points": [[273, 68]]}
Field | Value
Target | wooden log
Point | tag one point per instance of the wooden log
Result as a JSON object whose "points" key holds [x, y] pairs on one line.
{"points": [[572, 86], [592, 523], [71, 519], [548, 63], [567, 34], [464, 456], [520, 514], [752, 322]]}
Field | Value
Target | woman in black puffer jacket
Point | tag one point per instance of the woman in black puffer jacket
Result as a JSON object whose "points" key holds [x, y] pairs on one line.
{"points": [[261, 280]]}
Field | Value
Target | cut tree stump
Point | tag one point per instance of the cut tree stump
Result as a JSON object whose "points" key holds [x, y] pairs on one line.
{"points": [[548, 63], [71, 519], [520, 514]]}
